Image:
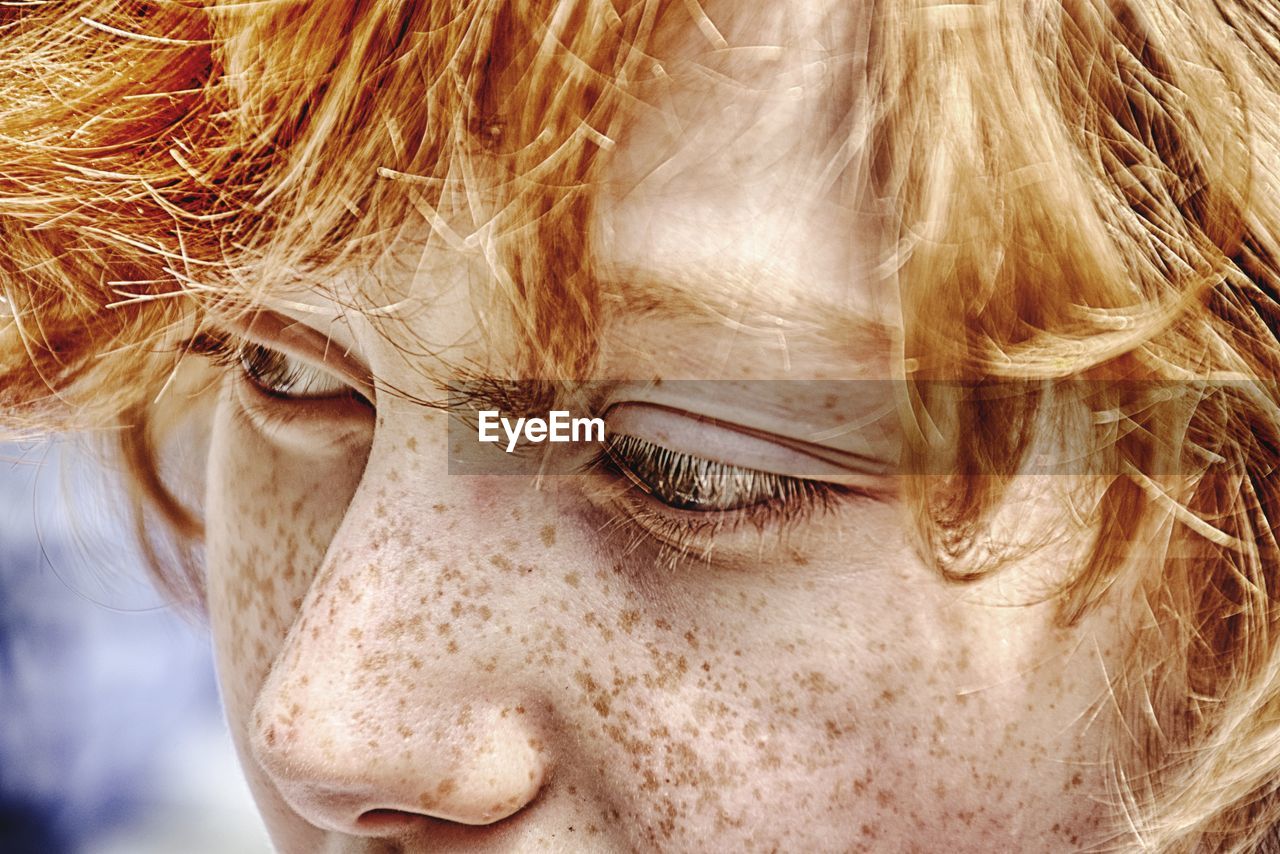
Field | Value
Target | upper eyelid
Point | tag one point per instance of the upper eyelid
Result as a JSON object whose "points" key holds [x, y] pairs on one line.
{"points": [[834, 465], [300, 341]]}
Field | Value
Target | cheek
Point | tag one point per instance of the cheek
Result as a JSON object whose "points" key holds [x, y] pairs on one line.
{"points": [[270, 517]]}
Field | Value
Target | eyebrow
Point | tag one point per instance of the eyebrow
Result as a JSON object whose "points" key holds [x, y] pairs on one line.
{"points": [[723, 298], [470, 390], [727, 299], [735, 300]]}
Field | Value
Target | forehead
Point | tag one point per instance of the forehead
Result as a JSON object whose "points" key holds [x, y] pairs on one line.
{"points": [[740, 168], [731, 192]]}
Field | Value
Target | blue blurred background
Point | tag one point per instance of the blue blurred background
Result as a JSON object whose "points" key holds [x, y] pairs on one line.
{"points": [[111, 739]]}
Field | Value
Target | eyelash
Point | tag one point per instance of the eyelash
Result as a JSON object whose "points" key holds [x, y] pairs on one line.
{"points": [[687, 479], [779, 501]]}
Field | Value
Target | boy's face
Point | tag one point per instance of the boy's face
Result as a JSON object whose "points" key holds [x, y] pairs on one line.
{"points": [[414, 660]]}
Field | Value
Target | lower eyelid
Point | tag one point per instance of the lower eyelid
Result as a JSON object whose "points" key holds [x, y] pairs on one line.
{"points": [[675, 537], [740, 540]]}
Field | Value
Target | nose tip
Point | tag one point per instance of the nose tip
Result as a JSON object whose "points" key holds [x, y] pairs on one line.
{"points": [[498, 780], [365, 774]]}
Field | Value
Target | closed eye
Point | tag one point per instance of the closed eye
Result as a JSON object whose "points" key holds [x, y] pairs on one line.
{"points": [[691, 483], [280, 375]]}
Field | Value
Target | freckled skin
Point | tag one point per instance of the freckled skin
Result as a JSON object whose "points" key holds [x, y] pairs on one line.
{"points": [[413, 661], [496, 698]]}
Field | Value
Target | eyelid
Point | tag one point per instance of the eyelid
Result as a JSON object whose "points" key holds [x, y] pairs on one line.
{"points": [[305, 343], [744, 447]]}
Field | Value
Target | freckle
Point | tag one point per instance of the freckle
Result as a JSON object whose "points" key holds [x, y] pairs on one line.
{"points": [[572, 579], [452, 647], [485, 613], [548, 535], [628, 619], [501, 562], [412, 443], [439, 507]]}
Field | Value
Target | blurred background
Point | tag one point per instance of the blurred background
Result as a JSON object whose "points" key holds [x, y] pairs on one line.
{"points": [[111, 738]]}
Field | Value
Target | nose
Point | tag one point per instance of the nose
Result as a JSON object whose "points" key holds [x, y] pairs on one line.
{"points": [[348, 774], [371, 721]]}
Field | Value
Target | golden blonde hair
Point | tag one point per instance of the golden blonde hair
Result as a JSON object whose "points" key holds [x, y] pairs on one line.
{"points": [[1071, 189]]}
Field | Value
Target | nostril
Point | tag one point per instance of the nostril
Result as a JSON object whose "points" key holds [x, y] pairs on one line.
{"points": [[388, 820], [387, 823]]}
